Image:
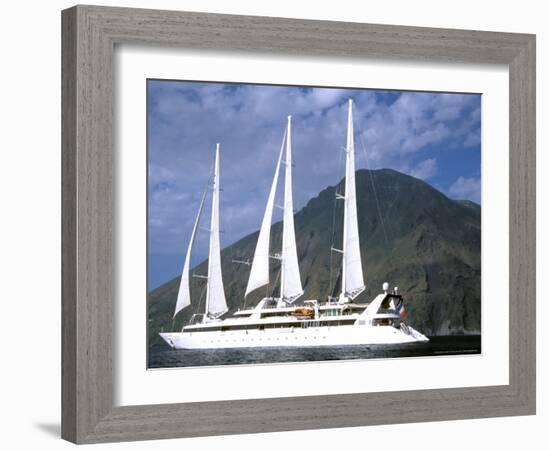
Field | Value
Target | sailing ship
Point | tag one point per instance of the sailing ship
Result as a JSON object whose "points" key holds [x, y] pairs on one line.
{"points": [[278, 321]]}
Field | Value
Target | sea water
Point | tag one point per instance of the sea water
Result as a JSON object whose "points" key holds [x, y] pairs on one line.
{"points": [[162, 356]]}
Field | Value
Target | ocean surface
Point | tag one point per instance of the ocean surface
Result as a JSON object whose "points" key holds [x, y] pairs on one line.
{"points": [[162, 356]]}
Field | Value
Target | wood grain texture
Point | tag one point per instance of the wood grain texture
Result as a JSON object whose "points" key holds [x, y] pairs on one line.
{"points": [[68, 225], [89, 36]]}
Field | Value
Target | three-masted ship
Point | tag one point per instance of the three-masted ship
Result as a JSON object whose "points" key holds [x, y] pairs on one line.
{"points": [[277, 321]]}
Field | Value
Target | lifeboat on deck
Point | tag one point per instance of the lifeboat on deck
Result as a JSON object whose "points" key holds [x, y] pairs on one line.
{"points": [[303, 311]]}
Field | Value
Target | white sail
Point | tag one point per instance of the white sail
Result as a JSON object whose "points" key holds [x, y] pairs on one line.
{"points": [[215, 295], [259, 272], [291, 285], [352, 269], [184, 293]]}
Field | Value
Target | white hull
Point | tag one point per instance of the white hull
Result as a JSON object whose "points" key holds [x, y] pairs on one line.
{"points": [[341, 335]]}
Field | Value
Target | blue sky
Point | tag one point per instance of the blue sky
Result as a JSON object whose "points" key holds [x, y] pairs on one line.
{"points": [[432, 136]]}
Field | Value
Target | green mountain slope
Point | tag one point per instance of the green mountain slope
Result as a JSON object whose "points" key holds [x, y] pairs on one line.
{"points": [[416, 238]]}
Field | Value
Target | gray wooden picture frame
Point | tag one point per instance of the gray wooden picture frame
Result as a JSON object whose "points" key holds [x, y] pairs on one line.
{"points": [[90, 34]]}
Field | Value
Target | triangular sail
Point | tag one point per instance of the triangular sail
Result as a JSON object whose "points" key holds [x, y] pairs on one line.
{"points": [[291, 285], [259, 272], [184, 293], [215, 295], [352, 269]]}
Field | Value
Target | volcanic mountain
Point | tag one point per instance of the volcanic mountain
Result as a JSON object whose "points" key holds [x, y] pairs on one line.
{"points": [[412, 236]]}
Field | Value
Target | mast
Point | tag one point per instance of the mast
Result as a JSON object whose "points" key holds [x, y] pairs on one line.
{"points": [[352, 269], [215, 296], [291, 285]]}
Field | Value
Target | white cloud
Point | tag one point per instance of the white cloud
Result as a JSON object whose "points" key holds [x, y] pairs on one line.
{"points": [[466, 189], [425, 169], [187, 119], [324, 98], [417, 120], [472, 139]]}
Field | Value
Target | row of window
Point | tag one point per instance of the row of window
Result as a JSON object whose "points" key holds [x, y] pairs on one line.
{"points": [[302, 324], [275, 339], [326, 313]]}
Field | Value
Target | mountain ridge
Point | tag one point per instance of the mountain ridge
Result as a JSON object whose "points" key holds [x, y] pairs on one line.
{"points": [[411, 235]]}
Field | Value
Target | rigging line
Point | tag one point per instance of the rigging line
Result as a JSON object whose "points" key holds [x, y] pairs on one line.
{"points": [[390, 207], [201, 296], [374, 190], [331, 289], [276, 281], [267, 286], [205, 191], [280, 190], [206, 188], [223, 220], [208, 185], [221, 211], [392, 203]]}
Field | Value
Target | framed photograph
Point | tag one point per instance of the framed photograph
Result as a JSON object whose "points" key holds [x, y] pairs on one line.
{"points": [[296, 287], [278, 224]]}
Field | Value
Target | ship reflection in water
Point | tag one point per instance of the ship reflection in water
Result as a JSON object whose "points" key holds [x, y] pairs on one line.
{"points": [[162, 356]]}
